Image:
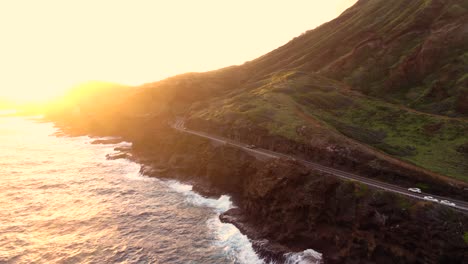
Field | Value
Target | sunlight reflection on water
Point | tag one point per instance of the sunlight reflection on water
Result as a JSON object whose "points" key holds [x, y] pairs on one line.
{"points": [[62, 201]]}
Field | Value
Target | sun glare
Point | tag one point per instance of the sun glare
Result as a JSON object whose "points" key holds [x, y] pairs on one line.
{"points": [[49, 46], [30, 95]]}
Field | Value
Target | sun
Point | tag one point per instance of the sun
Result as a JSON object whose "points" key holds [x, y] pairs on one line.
{"points": [[54, 45]]}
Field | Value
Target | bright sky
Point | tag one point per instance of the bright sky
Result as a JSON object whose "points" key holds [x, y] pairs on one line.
{"points": [[48, 46]]}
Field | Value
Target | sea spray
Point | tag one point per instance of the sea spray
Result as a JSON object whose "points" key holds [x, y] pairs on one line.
{"points": [[236, 245]]}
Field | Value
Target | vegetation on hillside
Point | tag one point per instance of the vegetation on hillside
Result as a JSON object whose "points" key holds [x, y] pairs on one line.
{"points": [[429, 141], [408, 52], [390, 75]]}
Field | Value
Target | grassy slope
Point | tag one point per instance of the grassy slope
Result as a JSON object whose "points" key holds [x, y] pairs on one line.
{"points": [[391, 50], [429, 141], [410, 52]]}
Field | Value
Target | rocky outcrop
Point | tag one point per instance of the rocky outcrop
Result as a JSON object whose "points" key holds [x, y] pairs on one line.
{"points": [[285, 207], [348, 222]]}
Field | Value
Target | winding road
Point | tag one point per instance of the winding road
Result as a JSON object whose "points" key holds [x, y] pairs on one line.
{"points": [[460, 205]]}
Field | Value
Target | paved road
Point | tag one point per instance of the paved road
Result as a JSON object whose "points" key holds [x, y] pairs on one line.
{"points": [[461, 205]]}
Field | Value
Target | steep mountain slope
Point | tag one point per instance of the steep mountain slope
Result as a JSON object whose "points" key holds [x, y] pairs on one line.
{"points": [[383, 83], [413, 52], [402, 51]]}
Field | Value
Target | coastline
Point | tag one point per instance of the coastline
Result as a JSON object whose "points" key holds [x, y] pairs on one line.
{"points": [[283, 207], [270, 252]]}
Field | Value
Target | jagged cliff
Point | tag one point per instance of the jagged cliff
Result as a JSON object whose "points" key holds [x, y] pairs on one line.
{"points": [[284, 206]]}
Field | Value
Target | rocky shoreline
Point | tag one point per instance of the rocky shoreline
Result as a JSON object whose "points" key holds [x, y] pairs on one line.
{"points": [[285, 207]]}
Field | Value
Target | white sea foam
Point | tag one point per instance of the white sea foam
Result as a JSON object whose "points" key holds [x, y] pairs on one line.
{"points": [[222, 204], [308, 256], [107, 138], [236, 245], [128, 168], [124, 144]]}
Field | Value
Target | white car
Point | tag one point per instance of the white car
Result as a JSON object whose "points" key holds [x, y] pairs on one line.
{"points": [[415, 190], [430, 198], [449, 203]]}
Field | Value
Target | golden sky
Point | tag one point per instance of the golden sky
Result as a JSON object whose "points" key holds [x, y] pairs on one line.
{"points": [[48, 46]]}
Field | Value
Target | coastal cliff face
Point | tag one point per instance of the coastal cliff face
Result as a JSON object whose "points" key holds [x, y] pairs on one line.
{"points": [[340, 154], [347, 222], [284, 206]]}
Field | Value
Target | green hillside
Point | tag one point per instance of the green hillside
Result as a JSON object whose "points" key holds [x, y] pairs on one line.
{"points": [[411, 52], [327, 110], [385, 77]]}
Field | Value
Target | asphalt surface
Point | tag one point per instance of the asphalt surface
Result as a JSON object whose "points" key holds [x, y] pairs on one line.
{"points": [[460, 205]]}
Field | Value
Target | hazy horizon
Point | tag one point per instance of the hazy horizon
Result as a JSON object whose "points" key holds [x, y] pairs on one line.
{"points": [[51, 45]]}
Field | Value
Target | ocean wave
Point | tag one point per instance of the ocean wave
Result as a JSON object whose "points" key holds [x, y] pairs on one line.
{"points": [[308, 256], [222, 204], [236, 246]]}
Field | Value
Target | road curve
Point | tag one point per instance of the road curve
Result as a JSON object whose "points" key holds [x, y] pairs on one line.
{"points": [[460, 205]]}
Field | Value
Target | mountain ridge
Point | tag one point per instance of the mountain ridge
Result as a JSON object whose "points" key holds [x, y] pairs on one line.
{"points": [[315, 74]]}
